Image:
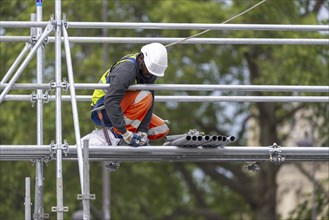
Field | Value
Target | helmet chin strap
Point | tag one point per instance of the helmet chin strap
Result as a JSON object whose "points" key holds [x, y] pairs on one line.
{"points": [[142, 67], [148, 74]]}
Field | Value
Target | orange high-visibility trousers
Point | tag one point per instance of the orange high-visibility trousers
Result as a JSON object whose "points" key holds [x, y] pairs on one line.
{"points": [[135, 105]]}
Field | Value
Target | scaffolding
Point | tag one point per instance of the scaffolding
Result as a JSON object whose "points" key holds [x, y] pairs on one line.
{"points": [[40, 35]]}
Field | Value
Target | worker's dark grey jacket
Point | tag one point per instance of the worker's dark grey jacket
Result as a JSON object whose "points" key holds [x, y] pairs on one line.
{"points": [[122, 76]]}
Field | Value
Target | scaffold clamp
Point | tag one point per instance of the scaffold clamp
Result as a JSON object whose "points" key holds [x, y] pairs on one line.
{"points": [[112, 166], [86, 197], [44, 97], [49, 28], [60, 209], [64, 147], [55, 23], [42, 216], [252, 166], [36, 35], [47, 158], [275, 154], [42, 160], [52, 20], [52, 149], [65, 23], [65, 85], [34, 38]]}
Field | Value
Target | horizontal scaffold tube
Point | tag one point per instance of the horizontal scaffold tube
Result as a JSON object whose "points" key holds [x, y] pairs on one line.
{"points": [[145, 40], [177, 26], [168, 153], [182, 87], [87, 98]]}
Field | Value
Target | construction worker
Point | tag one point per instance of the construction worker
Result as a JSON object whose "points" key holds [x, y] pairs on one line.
{"points": [[129, 114]]}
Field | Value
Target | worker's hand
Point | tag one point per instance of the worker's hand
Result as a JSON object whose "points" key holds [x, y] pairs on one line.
{"points": [[143, 138], [131, 138], [142, 134]]}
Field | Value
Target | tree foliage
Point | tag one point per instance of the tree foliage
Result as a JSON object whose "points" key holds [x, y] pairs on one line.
{"points": [[171, 190]]}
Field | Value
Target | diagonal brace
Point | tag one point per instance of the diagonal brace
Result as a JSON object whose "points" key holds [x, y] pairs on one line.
{"points": [[45, 34]]}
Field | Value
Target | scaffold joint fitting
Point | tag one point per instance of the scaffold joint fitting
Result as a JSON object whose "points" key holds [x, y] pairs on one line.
{"points": [[252, 166], [41, 216], [275, 154], [34, 38], [64, 147], [44, 97], [60, 209], [64, 22], [65, 85], [86, 197], [112, 166]]}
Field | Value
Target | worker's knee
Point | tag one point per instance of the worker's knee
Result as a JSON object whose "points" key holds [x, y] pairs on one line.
{"points": [[165, 130], [158, 132]]}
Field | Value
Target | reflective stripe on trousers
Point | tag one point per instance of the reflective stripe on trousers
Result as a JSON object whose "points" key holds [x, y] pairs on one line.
{"points": [[135, 105]]}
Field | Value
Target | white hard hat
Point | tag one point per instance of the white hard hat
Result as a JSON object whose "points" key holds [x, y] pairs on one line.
{"points": [[155, 58]]}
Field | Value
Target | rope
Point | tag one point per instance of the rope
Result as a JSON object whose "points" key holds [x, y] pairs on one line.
{"points": [[205, 31]]}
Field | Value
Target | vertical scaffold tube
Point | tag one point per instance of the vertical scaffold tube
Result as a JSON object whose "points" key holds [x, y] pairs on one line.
{"points": [[59, 176], [86, 185], [74, 106], [27, 199], [38, 204], [106, 200]]}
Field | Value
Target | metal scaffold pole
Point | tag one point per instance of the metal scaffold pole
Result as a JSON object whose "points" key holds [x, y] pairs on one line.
{"points": [[86, 185], [27, 202], [58, 146], [187, 98], [74, 106], [183, 87], [167, 40], [39, 204], [173, 26], [106, 198], [171, 153]]}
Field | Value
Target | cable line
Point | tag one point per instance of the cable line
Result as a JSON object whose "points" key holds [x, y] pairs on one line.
{"points": [[228, 20]]}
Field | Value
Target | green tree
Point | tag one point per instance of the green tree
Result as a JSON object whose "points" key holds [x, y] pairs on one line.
{"points": [[261, 63]]}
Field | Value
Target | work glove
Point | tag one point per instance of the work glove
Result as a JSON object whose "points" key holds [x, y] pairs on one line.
{"points": [[143, 138], [131, 138]]}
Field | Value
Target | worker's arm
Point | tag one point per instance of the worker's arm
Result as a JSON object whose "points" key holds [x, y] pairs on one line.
{"points": [[144, 125], [121, 78]]}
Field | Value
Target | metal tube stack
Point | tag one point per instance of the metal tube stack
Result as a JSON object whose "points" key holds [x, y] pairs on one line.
{"points": [[194, 138]]}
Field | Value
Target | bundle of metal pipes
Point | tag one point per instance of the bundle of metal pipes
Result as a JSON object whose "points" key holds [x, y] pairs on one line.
{"points": [[195, 138]]}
